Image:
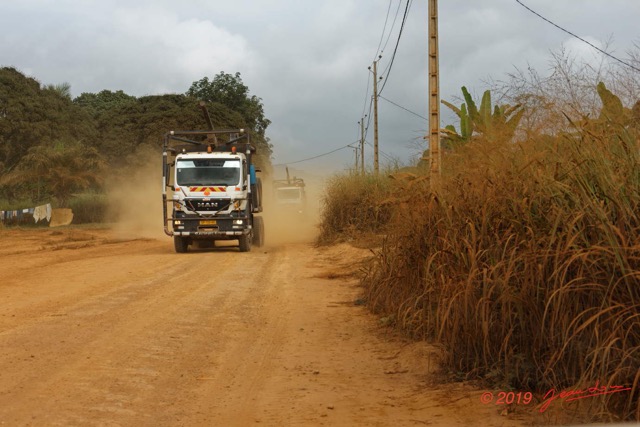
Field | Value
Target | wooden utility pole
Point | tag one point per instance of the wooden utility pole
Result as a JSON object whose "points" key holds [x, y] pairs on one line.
{"points": [[376, 166], [434, 95], [362, 143]]}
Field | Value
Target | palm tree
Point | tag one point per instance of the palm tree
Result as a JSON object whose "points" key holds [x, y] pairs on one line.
{"points": [[58, 170], [62, 89]]}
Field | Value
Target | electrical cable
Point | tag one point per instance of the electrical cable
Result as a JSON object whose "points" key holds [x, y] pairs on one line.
{"points": [[579, 38], [383, 30], [405, 109], [366, 95], [319, 155], [392, 26], [408, 6], [379, 51], [380, 151], [387, 70]]}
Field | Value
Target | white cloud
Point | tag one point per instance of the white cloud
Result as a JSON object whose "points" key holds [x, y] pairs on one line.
{"points": [[307, 60]]}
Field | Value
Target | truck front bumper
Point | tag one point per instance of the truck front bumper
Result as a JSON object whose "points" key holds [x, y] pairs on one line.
{"points": [[207, 228]]}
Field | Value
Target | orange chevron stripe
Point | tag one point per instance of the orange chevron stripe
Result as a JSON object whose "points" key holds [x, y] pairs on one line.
{"points": [[201, 189]]}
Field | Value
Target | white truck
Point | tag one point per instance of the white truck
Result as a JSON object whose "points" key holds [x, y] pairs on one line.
{"points": [[290, 196], [210, 188]]}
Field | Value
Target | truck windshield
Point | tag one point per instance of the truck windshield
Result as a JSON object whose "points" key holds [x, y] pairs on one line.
{"points": [[208, 172]]}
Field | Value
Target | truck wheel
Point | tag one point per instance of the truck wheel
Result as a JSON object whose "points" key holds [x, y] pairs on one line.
{"points": [[258, 231], [245, 243], [181, 244]]}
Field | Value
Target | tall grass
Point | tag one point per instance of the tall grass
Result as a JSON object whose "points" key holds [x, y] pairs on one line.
{"points": [[526, 264], [354, 204], [90, 208]]}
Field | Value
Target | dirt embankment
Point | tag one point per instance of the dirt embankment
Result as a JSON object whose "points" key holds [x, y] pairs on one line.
{"points": [[97, 330]]}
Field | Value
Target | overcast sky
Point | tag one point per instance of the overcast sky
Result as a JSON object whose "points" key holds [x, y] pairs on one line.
{"points": [[306, 59]]}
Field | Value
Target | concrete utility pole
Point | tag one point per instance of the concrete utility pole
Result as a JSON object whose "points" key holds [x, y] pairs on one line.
{"points": [[376, 166], [434, 95], [362, 143]]}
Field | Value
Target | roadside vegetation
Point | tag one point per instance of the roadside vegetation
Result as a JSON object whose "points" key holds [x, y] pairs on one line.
{"points": [[64, 151], [354, 205], [524, 262]]}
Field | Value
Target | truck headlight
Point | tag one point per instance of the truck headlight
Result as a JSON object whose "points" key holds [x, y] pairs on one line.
{"points": [[177, 222], [238, 221]]}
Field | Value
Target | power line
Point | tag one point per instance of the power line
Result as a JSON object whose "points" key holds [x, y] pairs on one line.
{"points": [[392, 26], [319, 155], [383, 30], [405, 109], [579, 38], [366, 94], [381, 152], [395, 18], [366, 129], [393, 57]]}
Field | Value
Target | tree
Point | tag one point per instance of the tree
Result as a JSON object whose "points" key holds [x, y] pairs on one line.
{"points": [[56, 170], [103, 101], [499, 122], [31, 115], [230, 91]]}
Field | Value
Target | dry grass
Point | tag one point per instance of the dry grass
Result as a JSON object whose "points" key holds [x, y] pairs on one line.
{"points": [[525, 265], [353, 205]]}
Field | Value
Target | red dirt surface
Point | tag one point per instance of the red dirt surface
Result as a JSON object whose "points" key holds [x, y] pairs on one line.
{"points": [[100, 330]]}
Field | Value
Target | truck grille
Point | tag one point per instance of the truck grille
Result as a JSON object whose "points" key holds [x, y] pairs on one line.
{"points": [[207, 205]]}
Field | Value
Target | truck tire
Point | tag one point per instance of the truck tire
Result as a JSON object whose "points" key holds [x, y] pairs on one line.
{"points": [[244, 242], [181, 244], [258, 231]]}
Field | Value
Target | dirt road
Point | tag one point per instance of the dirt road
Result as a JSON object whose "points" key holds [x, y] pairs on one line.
{"points": [[95, 330]]}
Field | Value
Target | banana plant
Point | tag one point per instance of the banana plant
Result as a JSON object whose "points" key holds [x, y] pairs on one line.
{"points": [[499, 121]]}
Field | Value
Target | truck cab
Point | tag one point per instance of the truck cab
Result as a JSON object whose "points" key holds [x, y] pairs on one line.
{"points": [[290, 197]]}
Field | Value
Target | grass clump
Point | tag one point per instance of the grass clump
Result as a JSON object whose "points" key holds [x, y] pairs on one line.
{"points": [[354, 204]]}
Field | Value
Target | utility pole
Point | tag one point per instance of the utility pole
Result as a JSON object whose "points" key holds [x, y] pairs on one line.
{"points": [[362, 143], [376, 166], [355, 150], [434, 96]]}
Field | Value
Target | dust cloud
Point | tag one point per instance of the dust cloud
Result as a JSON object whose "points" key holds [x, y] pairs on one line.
{"points": [[284, 225], [135, 200], [135, 205]]}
